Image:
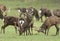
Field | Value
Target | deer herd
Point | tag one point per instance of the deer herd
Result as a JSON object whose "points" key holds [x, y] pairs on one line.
{"points": [[25, 21]]}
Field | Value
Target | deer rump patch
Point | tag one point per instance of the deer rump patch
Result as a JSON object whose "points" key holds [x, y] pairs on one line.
{"points": [[40, 11], [21, 22]]}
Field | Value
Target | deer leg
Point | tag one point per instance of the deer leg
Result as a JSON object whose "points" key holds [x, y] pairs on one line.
{"points": [[3, 28], [29, 31], [32, 29], [26, 32], [57, 29], [47, 31], [15, 27], [41, 18]]}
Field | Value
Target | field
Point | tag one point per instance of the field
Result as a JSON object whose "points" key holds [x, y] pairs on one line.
{"points": [[10, 34]]}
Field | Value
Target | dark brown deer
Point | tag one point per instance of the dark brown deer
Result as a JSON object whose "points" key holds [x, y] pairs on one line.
{"points": [[9, 20], [23, 26], [45, 12], [52, 20], [27, 24], [35, 12]]}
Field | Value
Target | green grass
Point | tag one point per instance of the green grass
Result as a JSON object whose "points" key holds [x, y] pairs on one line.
{"points": [[10, 34]]}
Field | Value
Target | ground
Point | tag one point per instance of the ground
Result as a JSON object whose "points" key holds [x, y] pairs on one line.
{"points": [[10, 34]]}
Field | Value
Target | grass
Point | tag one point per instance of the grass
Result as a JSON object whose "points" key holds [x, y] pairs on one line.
{"points": [[10, 34]]}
